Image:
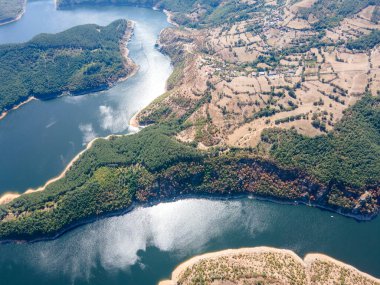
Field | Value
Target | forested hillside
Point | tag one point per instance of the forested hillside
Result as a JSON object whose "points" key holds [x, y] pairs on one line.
{"points": [[365, 42], [349, 155], [79, 60], [339, 171], [263, 100]]}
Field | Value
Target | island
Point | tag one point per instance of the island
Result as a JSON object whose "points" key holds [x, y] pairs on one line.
{"points": [[80, 60], [264, 265], [278, 102], [11, 10]]}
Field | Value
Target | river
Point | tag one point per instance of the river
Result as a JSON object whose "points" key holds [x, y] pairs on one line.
{"points": [[143, 246]]}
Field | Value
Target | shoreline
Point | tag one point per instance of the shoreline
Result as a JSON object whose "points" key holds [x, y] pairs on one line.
{"points": [[127, 61], [227, 252], [133, 122], [154, 202], [18, 17], [5, 113], [310, 257], [8, 197], [169, 16], [129, 65], [306, 262]]}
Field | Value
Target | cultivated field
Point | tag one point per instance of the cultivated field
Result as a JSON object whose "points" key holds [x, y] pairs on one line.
{"points": [[271, 69]]}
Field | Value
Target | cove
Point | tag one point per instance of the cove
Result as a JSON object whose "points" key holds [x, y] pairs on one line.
{"points": [[38, 140]]}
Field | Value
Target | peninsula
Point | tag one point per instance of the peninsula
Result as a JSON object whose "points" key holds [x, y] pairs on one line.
{"points": [[280, 102], [264, 265], [80, 60]]}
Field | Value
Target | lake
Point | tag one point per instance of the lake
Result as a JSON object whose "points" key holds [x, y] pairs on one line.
{"points": [[145, 245], [39, 139]]}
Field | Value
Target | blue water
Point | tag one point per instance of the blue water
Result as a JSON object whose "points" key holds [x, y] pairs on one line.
{"points": [[144, 246], [39, 139]]}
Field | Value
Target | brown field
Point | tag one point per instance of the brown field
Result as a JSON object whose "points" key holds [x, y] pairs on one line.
{"points": [[247, 93]]}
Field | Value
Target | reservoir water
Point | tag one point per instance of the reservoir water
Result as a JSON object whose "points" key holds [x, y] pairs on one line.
{"points": [[38, 140], [143, 246]]}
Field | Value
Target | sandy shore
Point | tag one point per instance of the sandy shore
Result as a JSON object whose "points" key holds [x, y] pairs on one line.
{"points": [[4, 114], [8, 197], [310, 264], [312, 258], [228, 252], [129, 64]]}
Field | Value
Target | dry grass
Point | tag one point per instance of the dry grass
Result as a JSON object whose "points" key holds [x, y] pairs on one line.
{"points": [[263, 265], [301, 88]]}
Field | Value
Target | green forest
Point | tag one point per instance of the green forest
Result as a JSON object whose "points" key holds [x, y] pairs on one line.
{"points": [[348, 155], [338, 170], [333, 171], [79, 60], [365, 42]]}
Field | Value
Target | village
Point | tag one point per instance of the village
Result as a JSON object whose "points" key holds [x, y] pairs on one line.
{"points": [[272, 70]]}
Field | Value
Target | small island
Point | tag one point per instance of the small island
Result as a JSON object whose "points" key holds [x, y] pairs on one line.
{"points": [[264, 265], [80, 60]]}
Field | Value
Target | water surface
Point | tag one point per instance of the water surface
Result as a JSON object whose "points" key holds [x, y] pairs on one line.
{"points": [[144, 246], [38, 140]]}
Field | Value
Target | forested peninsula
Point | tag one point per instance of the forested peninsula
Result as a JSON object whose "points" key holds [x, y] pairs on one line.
{"points": [[117, 173], [80, 60], [269, 115]]}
